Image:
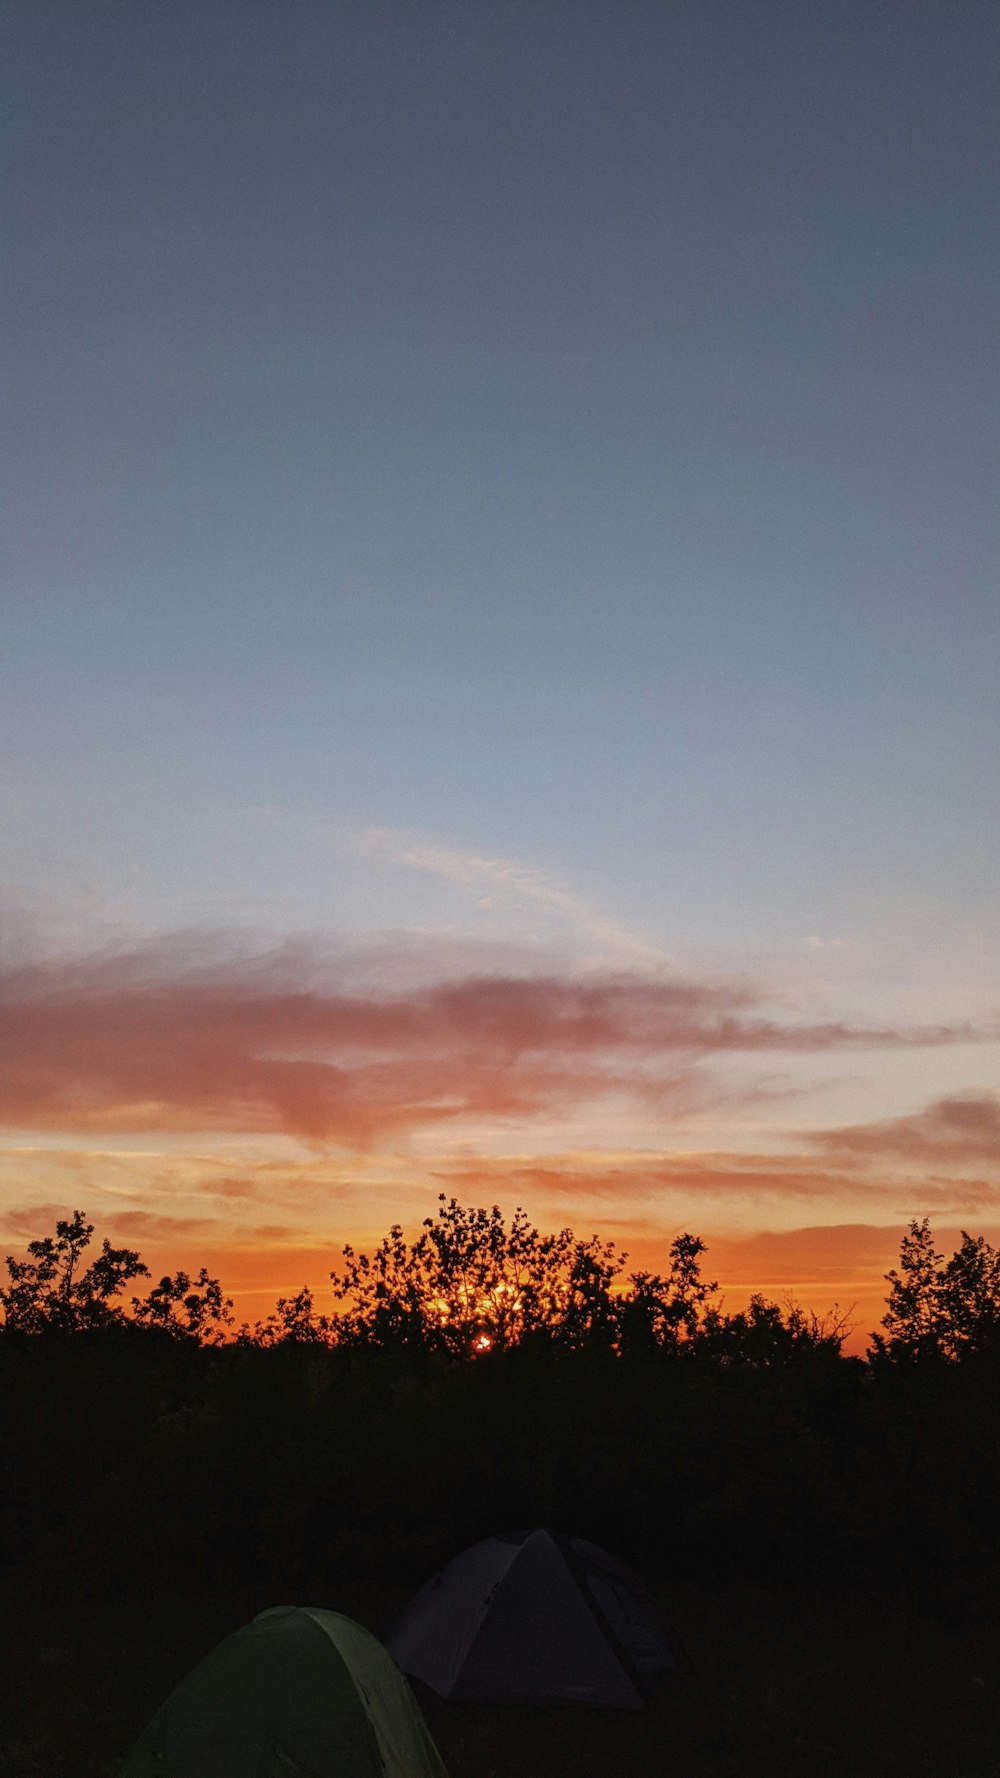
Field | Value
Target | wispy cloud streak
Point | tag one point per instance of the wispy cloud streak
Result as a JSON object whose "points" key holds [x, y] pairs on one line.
{"points": [[480, 873]]}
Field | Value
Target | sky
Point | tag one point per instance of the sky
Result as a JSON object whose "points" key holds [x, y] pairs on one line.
{"points": [[500, 628]]}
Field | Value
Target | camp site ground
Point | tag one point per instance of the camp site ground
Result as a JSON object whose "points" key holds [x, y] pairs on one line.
{"points": [[789, 1682]]}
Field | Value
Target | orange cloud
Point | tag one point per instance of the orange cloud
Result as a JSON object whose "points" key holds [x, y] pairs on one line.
{"points": [[713, 1177], [645, 1176], [172, 1041]]}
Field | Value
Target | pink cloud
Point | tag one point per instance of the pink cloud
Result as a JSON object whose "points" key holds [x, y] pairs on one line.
{"points": [[171, 1040], [964, 1127]]}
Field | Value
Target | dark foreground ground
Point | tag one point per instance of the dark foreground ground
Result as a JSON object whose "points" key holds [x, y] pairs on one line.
{"points": [[788, 1683]]}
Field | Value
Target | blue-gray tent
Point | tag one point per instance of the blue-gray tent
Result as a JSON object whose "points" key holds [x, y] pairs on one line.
{"points": [[536, 1618]]}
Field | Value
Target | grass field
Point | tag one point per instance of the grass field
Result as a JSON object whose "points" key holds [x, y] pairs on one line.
{"points": [[787, 1683]]}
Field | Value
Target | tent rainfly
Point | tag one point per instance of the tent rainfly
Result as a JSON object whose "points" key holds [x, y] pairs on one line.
{"points": [[297, 1693], [539, 1619]]}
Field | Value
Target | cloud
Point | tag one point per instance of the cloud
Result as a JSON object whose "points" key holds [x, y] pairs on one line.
{"points": [[713, 1178], [186, 1035], [637, 1177], [25, 1222], [153, 1225], [962, 1128], [491, 879]]}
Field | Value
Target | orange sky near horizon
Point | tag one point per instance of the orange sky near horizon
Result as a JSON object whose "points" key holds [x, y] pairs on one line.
{"points": [[819, 1268], [500, 636], [254, 1112]]}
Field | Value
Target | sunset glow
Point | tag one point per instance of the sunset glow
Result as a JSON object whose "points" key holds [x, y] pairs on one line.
{"points": [[501, 640]]}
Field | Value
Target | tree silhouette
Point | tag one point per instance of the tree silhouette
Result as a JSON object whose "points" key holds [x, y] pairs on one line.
{"points": [[473, 1282], [968, 1296], [188, 1308], [294, 1321], [48, 1293], [912, 1320], [940, 1310], [658, 1310], [766, 1335]]}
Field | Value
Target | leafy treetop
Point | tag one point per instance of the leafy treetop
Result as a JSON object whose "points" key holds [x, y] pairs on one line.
{"points": [[50, 1292], [938, 1309]]}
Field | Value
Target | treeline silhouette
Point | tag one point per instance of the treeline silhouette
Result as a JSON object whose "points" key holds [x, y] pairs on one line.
{"points": [[485, 1376]]}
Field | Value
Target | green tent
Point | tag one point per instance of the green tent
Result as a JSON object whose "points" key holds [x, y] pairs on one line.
{"points": [[297, 1693]]}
